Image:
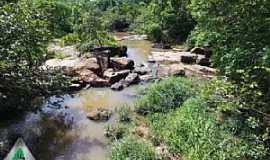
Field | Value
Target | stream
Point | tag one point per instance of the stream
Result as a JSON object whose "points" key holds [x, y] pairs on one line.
{"points": [[60, 130]]}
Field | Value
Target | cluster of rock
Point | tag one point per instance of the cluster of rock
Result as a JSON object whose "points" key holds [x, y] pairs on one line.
{"points": [[86, 71], [178, 62]]}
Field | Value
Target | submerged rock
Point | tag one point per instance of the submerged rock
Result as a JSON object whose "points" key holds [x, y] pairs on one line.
{"points": [[99, 114]]}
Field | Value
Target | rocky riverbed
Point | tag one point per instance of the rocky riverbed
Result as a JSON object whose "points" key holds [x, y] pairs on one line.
{"points": [[121, 72], [72, 126]]}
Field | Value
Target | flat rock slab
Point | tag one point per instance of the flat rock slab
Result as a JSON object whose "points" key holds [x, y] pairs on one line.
{"points": [[165, 57], [71, 64], [174, 57]]}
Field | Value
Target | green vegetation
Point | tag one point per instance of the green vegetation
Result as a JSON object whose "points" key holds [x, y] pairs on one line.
{"points": [[226, 118], [206, 125], [23, 38], [165, 96], [132, 148]]}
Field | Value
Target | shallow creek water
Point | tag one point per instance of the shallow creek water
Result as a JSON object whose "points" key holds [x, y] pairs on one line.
{"points": [[60, 129]]}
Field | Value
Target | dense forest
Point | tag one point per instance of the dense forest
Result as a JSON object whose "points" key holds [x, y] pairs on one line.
{"points": [[227, 117]]}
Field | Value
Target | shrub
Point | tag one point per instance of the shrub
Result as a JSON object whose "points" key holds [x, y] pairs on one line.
{"points": [[166, 95], [132, 148]]}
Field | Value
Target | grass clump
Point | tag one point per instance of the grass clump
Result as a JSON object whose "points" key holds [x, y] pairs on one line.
{"points": [[166, 95], [132, 148], [117, 131], [194, 133], [125, 113]]}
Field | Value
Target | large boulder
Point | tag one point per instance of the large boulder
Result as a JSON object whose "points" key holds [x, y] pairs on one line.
{"points": [[202, 51], [122, 63], [70, 65], [91, 78], [88, 63], [66, 65], [114, 77], [120, 51], [189, 58], [99, 114]]}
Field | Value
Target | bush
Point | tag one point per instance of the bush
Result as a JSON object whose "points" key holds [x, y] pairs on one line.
{"points": [[167, 95], [194, 133], [132, 148], [70, 39]]}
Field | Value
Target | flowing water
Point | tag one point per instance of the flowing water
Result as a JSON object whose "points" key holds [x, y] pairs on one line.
{"points": [[60, 129]]}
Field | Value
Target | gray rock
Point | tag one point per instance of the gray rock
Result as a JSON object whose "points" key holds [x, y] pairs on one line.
{"points": [[132, 78], [142, 70], [122, 63], [114, 77], [117, 86]]}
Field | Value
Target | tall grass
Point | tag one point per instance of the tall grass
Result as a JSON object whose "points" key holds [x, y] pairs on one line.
{"points": [[195, 134], [195, 122], [131, 148]]}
